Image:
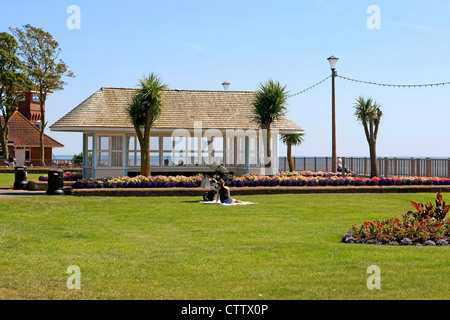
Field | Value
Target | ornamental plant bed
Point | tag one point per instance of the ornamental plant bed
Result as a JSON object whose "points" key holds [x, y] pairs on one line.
{"points": [[68, 176], [283, 179], [427, 226], [41, 169]]}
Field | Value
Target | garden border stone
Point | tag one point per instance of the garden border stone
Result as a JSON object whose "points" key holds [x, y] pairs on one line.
{"points": [[240, 191]]}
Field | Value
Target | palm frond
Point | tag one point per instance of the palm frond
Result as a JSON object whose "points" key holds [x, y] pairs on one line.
{"points": [[295, 138], [270, 102]]}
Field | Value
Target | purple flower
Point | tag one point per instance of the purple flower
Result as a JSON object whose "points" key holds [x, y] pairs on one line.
{"points": [[430, 243], [350, 240], [406, 242]]}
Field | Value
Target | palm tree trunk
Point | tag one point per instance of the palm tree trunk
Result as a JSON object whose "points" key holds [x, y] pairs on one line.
{"points": [[145, 149], [289, 155], [145, 161], [268, 147], [373, 159]]}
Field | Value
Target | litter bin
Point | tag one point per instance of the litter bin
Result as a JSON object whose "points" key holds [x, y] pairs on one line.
{"points": [[55, 182], [20, 174]]}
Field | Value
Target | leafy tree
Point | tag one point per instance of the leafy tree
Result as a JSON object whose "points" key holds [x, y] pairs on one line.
{"points": [[291, 140], [144, 110], [368, 112], [269, 106], [77, 159], [40, 53], [13, 82]]}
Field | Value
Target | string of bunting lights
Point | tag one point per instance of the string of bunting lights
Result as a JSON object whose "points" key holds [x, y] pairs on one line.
{"points": [[396, 85], [375, 83], [309, 88]]}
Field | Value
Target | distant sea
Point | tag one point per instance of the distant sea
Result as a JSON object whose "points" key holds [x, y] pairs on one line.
{"points": [[63, 157]]}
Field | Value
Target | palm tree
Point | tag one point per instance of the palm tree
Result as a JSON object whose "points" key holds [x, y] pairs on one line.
{"points": [[144, 109], [269, 106], [291, 140], [368, 112]]}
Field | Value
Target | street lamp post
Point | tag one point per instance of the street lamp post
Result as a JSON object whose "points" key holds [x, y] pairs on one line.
{"points": [[332, 60]]}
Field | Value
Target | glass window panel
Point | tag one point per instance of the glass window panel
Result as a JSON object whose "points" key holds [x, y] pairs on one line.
{"points": [[193, 144], [138, 159], [131, 143], [205, 158], [218, 144], [180, 143], [167, 159], [103, 143], [138, 144], [116, 159], [193, 158], [89, 142], [204, 143], [131, 159], [154, 143], [89, 159], [180, 158], [116, 143], [103, 159], [252, 144], [154, 158], [218, 157], [167, 143]]}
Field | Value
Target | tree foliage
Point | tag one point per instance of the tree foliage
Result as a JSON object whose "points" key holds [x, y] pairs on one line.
{"points": [[291, 140], [144, 109], [13, 83], [368, 113], [40, 53], [269, 106]]}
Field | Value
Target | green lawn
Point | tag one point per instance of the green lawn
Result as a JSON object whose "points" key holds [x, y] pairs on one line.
{"points": [[7, 179], [284, 247]]}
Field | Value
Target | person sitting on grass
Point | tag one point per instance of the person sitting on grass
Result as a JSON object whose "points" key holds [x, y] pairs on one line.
{"points": [[224, 193]]}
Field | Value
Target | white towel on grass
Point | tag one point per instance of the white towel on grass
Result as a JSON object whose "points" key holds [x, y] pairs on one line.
{"points": [[228, 204]]}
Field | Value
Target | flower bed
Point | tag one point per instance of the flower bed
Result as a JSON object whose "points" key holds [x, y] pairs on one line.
{"points": [[68, 176], [285, 179], [427, 226]]}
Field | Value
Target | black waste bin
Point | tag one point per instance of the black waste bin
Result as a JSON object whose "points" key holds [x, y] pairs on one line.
{"points": [[55, 182], [20, 174]]}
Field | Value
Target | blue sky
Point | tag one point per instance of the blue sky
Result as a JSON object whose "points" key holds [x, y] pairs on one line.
{"points": [[200, 44]]}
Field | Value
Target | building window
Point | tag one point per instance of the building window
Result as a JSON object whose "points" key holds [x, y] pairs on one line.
{"points": [[35, 97], [90, 141], [134, 151], [110, 151], [167, 151]]}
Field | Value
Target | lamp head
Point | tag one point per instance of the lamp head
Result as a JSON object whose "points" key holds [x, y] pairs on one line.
{"points": [[332, 60]]}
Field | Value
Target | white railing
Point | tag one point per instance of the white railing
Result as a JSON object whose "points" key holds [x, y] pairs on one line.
{"points": [[424, 167]]}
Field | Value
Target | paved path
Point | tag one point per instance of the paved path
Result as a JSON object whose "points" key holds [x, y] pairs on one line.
{"points": [[8, 193]]}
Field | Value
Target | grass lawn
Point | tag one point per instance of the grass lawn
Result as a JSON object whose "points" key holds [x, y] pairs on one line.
{"points": [[7, 179], [284, 247]]}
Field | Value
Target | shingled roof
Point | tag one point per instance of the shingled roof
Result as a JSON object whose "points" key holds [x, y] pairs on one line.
{"points": [[222, 109], [25, 134]]}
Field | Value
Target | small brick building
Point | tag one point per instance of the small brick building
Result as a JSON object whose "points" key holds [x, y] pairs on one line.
{"points": [[24, 134]]}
